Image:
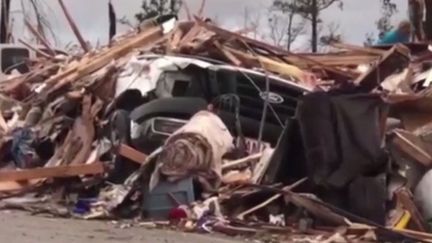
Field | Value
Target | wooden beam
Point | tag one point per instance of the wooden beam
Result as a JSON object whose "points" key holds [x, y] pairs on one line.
{"points": [[395, 58], [201, 9], [232, 164], [366, 50], [36, 50], [228, 55], [52, 172], [283, 69], [132, 154], [39, 37], [228, 35], [413, 147], [271, 199], [90, 65], [74, 27], [405, 198]]}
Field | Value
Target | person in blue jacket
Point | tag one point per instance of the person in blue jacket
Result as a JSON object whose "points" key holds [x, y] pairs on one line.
{"points": [[401, 34]]}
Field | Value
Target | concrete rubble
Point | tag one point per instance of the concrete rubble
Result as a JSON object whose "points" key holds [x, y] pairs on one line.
{"points": [[187, 124]]}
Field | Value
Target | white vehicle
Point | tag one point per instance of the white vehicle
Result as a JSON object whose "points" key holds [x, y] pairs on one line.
{"points": [[15, 57]]}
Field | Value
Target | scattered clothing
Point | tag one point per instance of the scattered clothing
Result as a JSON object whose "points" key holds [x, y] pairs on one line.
{"points": [[22, 150]]}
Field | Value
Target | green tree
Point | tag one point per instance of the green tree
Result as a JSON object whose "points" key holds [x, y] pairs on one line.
{"points": [[153, 8]]}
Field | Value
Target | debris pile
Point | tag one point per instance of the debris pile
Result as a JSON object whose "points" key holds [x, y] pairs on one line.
{"points": [[216, 132]]}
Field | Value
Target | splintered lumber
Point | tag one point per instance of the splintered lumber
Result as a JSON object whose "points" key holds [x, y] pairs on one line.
{"points": [[366, 50], [187, 10], [228, 55], [405, 199], [426, 237], [3, 124], [235, 163], [39, 37], [132, 154], [175, 38], [229, 35], [331, 60], [190, 35], [36, 50], [201, 9], [397, 58], [283, 69], [412, 146], [52, 172], [74, 27], [271, 199], [89, 65]]}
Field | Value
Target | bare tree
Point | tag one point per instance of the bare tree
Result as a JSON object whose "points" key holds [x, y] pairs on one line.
{"points": [[309, 10], [370, 39], [39, 11], [384, 23], [285, 23], [388, 9], [252, 21], [4, 22], [330, 34]]}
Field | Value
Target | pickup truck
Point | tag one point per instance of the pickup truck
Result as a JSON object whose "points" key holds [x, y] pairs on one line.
{"points": [[157, 94]]}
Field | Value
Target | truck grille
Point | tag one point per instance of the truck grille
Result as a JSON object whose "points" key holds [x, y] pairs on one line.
{"points": [[251, 103]]}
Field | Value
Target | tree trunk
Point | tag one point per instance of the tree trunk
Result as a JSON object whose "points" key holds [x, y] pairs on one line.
{"points": [[4, 22], [289, 32], [112, 21], [314, 22], [428, 23]]}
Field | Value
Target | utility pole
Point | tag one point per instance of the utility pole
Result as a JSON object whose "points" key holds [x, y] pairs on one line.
{"points": [[4, 21], [314, 22], [428, 23]]}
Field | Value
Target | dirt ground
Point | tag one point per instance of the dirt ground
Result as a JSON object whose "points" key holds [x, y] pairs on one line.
{"points": [[19, 227]]}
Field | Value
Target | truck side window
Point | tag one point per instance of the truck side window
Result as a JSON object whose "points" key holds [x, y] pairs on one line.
{"points": [[14, 58]]}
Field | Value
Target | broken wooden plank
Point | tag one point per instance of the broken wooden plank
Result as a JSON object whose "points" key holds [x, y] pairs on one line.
{"points": [[237, 177], [3, 124], [232, 164], [132, 154], [405, 199], [366, 50], [18, 186], [271, 199], [52, 172], [39, 37], [413, 147], [395, 59], [190, 35], [74, 27], [41, 53], [89, 65], [283, 69], [261, 167], [228, 55], [229, 35], [187, 10], [201, 9]]}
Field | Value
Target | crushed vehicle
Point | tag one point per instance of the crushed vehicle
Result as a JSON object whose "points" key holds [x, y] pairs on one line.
{"points": [[158, 94]]}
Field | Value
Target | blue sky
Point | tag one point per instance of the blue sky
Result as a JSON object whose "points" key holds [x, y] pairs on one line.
{"points": [[355, 20]]}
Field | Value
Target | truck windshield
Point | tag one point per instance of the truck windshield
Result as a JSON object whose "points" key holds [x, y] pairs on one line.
{"points": [[14, 58]]}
